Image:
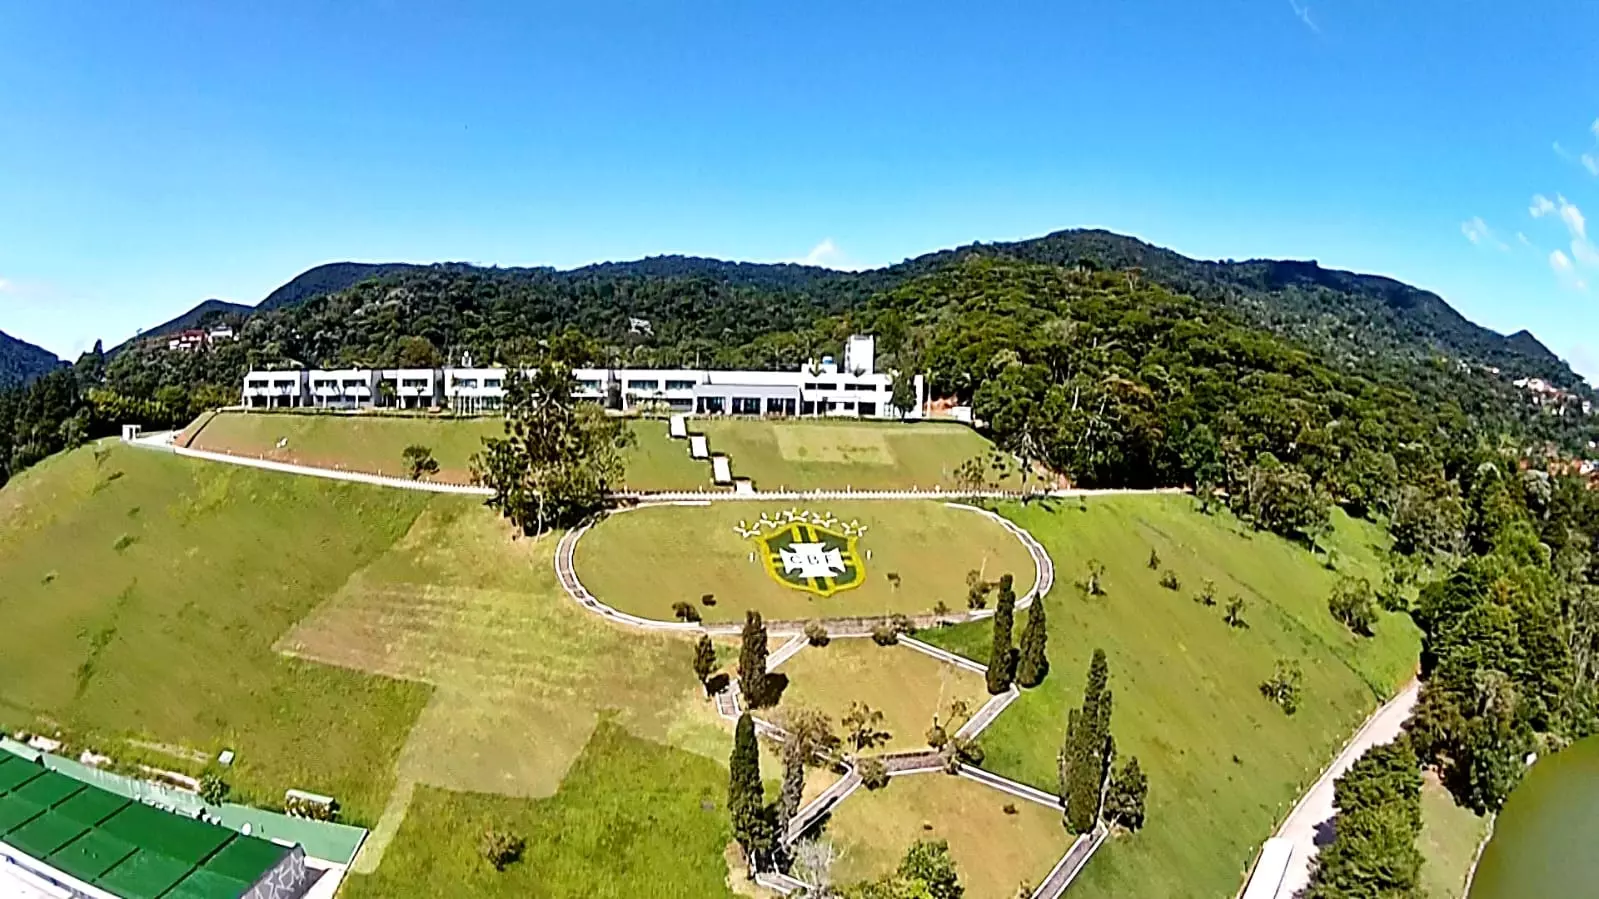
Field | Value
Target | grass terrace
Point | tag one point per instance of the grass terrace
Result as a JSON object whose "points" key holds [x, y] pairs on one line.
{"points": [[644, 560], [998, 842], [374, 443], [908, 687], [813, 454]]}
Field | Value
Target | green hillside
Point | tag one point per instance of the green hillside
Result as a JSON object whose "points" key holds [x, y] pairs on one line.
{"points": [[1224, 765], [393, 649], [374, 444], [142, 597]]}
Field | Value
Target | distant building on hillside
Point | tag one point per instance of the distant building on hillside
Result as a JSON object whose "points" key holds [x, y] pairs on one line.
{"points": [[818, 389], [191, 339]]}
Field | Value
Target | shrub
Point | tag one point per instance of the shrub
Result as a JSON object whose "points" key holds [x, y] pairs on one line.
{"points": [[874, 774], [901, 623], [685, 611], [885, 634], [1168, 579], [1235, 612], [419, 461], [214, 790], [123, 542], [501, 848], [1154, 560], [1284, 685], [708, 599], [936, 737], [1009, 808], [1093, 583], [816, 634], [1352, 602]]}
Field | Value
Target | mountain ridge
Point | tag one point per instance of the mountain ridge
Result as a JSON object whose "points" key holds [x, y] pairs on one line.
{"points": [[21, 362], [1356, 316]]}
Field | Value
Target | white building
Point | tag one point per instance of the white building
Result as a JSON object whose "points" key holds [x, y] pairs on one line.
{"points": [[851, 390], [346, 388], [276, 389], [411, 388]]}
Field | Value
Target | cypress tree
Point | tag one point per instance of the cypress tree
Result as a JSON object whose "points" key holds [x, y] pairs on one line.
{"points": [[746, 797], [1033, 664], [704, 660], [1001, 660], [793, 792], [752, 661], [1086, 755]]}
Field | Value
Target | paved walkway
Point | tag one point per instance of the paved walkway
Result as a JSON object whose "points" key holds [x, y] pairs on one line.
{"points": [[1309, 825]]}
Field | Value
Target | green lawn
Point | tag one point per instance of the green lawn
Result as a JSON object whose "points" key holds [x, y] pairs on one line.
{"points": [[374, 443], [643, 561], [1224, 765], [908, 687], [633, 818], [994, 851], [142, 596], [840, 453], [1449, 839]]}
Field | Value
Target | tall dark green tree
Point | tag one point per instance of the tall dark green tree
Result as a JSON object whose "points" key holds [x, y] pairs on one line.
{"points": [[1002, 657], [559, 457], [746, 796], [1373, 851], [704, 660], [752, 677], [1085, 756], [1032, 664]]}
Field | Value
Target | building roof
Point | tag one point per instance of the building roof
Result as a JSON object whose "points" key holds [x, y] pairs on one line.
{"points": [[120, 846]]}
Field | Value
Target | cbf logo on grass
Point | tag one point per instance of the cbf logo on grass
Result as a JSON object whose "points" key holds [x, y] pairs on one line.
{"points": [[809, 551]]}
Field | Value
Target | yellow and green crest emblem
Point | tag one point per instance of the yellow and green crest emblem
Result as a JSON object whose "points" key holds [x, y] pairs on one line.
{"points": [[808, 551]]}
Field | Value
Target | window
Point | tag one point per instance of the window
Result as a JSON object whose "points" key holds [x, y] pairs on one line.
{"points": [[644, 385], [493, 383], [813, 386], [827, 386], [868, 387], [868, 408], [589, 385], [680, 385]]}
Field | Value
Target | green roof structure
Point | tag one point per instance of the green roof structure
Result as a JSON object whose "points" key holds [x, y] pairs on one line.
{"points": [[128, 850]]}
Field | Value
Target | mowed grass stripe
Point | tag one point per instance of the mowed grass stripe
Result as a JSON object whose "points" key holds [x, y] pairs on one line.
{"points": [[1224, 764]]}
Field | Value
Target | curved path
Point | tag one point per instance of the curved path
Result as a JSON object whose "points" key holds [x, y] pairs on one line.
{"points": [[566, 573], [1309, 824]]}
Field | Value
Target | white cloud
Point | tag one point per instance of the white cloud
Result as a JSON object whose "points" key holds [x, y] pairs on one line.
{"points": [[1302, 11], [1595, 128], [1540, 206], [1591, 163], [1565, 271], [1523, 239], [1583, 251], [1478, 232], [827, 255], [1562, 152], [1572, 216]]}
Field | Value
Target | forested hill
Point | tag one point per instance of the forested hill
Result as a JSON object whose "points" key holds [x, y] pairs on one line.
{"points": [[1357, 317], [209, 312], [1358, 320], [21, 361]]}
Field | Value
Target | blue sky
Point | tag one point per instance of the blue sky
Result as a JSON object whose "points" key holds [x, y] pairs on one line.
{"points": [[157, 154]]}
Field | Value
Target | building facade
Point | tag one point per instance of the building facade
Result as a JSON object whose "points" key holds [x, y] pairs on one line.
{"points": [[853, 389]]}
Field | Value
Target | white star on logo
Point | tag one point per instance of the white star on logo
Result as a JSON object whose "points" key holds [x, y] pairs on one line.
{"points": [[810, 560]]}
